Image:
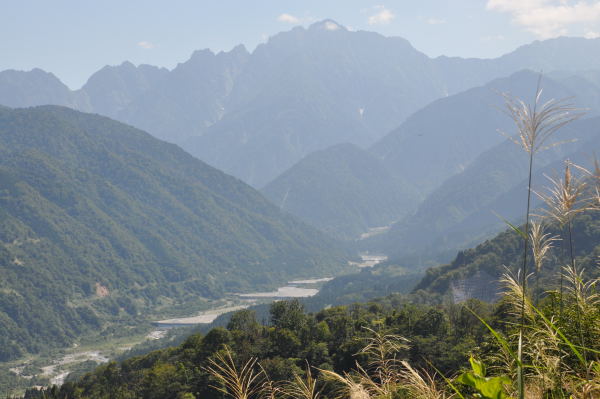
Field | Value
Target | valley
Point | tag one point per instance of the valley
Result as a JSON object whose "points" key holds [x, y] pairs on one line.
{"points": [[329, 212]]}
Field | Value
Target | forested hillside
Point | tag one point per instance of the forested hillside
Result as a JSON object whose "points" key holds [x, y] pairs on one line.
{"points": [[329, 339], [503, 253], [102, 223], [464, 209], [433, 337]]}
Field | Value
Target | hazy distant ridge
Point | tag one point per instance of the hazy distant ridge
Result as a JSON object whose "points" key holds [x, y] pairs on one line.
{"points": [[255, 115]]}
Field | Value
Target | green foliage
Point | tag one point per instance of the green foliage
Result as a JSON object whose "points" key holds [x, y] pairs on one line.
{"points": [[440, 337], [486, 387], [102, 225], [329, 339]]}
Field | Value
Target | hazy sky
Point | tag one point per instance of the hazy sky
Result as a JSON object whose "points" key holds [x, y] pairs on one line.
{"points": [[75, 38]]}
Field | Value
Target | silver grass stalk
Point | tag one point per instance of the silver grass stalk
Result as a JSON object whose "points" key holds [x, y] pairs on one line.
{"points": [[387, 375], [243, 383], [301, 388], [536, 124], [563, 201], [541, 244], [382, 350], [420, 385]]}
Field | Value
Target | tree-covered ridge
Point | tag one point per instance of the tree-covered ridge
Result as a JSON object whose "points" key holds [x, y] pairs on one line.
{"points": [[100, 221], [345, 349], [543, 340], [503, 253]]}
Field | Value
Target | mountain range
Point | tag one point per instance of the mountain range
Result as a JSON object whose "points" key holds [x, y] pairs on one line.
{"points": [[256, 114]]}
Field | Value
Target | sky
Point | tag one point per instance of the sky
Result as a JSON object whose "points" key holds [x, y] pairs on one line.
{"points": [[75, 38]]}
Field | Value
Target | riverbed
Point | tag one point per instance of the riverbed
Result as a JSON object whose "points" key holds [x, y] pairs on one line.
{"points": [[369, 260], [293, 289], [205, 317], [59, 369]]}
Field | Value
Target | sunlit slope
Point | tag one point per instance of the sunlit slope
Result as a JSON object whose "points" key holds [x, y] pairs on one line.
{"points": [[101, 221]]}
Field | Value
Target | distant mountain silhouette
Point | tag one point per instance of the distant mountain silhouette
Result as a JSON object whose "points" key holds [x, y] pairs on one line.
{"points": [[255, 115]]}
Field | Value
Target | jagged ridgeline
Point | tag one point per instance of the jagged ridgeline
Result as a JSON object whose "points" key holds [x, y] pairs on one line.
{"points": [[101, 222]]}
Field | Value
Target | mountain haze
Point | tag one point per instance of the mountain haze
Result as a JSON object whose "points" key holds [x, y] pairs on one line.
{"points": [[255, 114], [343, 190], [449, 155], [464, 210]]}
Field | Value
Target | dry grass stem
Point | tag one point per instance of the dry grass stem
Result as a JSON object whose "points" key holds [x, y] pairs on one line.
{"points": [[538, 122], [420, 385], [382, 350], [564, 197], [244, 383], [301, 388], [350, 389], [541, 244], [516, 298]]}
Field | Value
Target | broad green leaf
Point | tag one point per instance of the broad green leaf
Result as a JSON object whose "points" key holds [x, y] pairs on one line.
{"points": [[488, 388], [477, 366]]}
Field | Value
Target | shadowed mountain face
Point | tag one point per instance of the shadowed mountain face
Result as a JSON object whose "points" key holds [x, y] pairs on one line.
{"points": [[102, 222], [255, 115], [443, 138], [465, 209]]}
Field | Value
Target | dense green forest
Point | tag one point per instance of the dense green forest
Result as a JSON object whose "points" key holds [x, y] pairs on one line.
{"points": [[102, 225], [439, 339], [328, 339], [440, 336], [494, 257]]}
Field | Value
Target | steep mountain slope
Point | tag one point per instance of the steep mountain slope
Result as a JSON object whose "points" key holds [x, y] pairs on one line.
{"points": [[343, 190], [308, 89], [189, 98], [101, 222], [285, 105], [36, 87], [113, 88], [443, 138]]}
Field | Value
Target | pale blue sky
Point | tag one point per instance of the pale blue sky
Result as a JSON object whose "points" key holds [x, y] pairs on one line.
{"points": [[74, 38]]}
